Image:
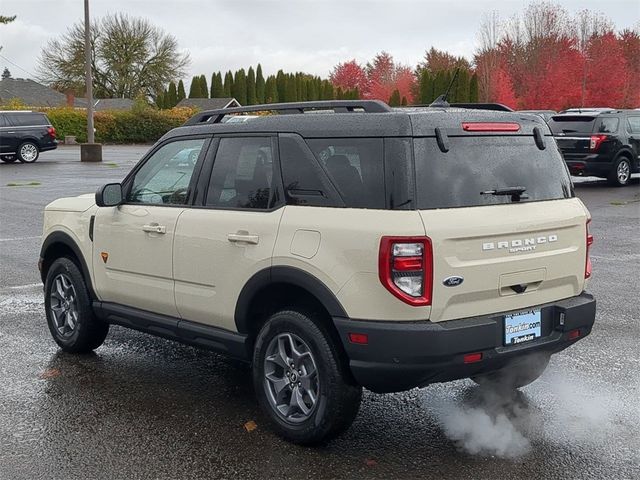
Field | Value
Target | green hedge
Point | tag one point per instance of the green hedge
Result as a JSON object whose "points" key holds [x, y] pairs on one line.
{"points": [[135, 126]]}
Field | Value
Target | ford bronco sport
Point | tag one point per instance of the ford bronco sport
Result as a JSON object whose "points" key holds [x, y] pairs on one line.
{"points": [[357, 247]]}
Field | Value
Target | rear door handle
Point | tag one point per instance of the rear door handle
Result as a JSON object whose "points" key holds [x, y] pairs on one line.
{"points": [[243, 237], [154, 228]]}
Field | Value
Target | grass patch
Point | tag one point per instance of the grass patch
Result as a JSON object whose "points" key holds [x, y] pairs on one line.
{"points": [[111, 164], [27, 184], [618, 202]]}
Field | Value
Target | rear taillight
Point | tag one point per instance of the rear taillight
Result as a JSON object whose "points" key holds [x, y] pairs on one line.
{"points": [[52, 132], [490, 127], [596, 141], [406, 268], [587, 266]]}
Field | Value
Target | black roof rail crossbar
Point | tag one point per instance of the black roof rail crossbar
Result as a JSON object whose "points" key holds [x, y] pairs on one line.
{"points": [[498, 107], [338, 106]]}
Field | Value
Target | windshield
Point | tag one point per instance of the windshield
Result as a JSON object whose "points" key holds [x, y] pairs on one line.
{"points": [[474, 166], [568, 124]]}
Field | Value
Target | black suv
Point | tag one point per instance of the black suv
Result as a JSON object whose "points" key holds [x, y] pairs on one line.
{"points": [[23, 135], [602, 144]]}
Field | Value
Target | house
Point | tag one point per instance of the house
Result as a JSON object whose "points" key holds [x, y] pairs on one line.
{"points": [[102, 104], [209, 103], [30, 93]]}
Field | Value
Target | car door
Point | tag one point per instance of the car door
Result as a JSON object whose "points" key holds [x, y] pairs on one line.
{"points": [[132, 258], [8, 135], [222, 242]]}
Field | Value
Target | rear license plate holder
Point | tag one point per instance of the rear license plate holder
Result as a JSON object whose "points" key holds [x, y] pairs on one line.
{"points": [[522, 327]]}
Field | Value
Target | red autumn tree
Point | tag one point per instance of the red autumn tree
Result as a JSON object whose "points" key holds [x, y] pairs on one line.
{"points": [[630, 42], [349, 76], [384, 76], [607, 72]]}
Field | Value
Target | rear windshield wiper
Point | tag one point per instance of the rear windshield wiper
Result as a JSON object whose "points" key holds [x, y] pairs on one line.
{"points": [[516, 193]]}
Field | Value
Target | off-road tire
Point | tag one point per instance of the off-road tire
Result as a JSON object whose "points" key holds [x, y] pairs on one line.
{"points": [[88, 332], [338, 398]]}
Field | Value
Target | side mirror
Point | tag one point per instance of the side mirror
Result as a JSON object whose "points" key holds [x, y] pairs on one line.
{"points": [[109, 195]]}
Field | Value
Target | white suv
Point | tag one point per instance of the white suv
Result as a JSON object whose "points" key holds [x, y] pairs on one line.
{"points": [[361, 247]]}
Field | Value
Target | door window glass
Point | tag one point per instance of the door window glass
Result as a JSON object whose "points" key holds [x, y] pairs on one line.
{"points": [[242, 174], [164, 178], [634, 124]]}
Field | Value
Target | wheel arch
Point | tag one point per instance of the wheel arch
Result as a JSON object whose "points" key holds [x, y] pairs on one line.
{"points": [[60, 244]]}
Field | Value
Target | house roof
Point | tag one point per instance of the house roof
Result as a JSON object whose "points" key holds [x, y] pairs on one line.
{"points": [[32, 94], [112, 104], [209, 103]]}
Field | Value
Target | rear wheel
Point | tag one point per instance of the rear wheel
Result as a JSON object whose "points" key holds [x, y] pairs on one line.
{"points": [[8, 158], [620, 174], [515, 375], [28, 152], [68, 308], [300, 381]]}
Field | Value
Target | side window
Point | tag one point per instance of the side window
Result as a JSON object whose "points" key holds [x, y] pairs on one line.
{"points": [[634, 124], [26, 119], [242, 175], [356, 168], [608, 125], [3, 122], [165, 176], [305, 182]]}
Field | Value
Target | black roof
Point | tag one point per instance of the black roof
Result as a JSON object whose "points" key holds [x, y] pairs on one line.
{"points": [[417, 121]]}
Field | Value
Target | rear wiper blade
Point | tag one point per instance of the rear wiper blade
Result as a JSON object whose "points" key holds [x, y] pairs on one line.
{"points": [[516, 193]]}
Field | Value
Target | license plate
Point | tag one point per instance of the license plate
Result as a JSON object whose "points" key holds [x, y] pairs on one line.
{"points": [[522, 327]]}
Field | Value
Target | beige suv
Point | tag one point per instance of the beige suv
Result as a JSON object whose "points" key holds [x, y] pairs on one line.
{"points": [[355, 247]]}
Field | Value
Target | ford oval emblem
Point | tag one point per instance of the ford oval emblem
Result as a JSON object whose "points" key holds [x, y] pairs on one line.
{"points": [[452, 281]]}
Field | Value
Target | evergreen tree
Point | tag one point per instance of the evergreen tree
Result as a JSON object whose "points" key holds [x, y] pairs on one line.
{"points": [[6, 73], [271, 90], [161, 100], [251, 87], [194, 88], [312, 90], [473, 89], [404, 102], [204, 89], [339, 94], [281, 85], [239, 89], [356, 94], [303, 93], [462, 86], [327, 90], [217, 88], [291, 89], [228, 84], [180, 94], [172, 96], [426, 95], [440, 83], [260, 85], [394, 100]]}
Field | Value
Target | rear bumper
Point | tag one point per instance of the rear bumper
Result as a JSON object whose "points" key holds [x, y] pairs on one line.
{"points": [[588, 164], [403, 355]]}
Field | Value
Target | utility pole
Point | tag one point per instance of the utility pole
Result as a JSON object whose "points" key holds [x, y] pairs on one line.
{"points": [[91, 151]]}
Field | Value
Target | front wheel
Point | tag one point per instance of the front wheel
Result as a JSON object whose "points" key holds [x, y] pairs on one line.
{"points": [[515, 375], [620, 175], [28, 152], [302, 384], [70, 317]]}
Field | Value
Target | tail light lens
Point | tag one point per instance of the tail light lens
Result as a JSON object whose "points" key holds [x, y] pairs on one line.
{"points": [[52, 132], [406, 268], [587, 267], [596, 141]]}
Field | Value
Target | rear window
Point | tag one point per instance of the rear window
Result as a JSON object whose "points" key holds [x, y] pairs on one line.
{"points": [[476, 164], [355, 168], [567, 124], [27, 119]]}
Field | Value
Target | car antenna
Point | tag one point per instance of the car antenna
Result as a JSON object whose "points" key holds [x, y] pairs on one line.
{"points": [[441, 101]]}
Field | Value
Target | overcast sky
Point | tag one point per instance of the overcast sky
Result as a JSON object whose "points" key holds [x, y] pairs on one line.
{"points": [[296, 35]]}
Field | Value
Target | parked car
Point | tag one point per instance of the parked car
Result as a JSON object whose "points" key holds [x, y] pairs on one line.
{"points": [[546, 114], [365, 247], [24, 134], [604, 145]]}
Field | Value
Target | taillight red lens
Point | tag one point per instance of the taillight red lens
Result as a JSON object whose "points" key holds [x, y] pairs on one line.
{"points": [[596, 141], [52, 132], [472, 357], [359, 338], [587, 267], [490, 127], [405, 268]]}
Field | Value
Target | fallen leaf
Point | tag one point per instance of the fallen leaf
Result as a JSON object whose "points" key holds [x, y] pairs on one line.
{"points": [[50, 373], [250, 426], [370, 462]]}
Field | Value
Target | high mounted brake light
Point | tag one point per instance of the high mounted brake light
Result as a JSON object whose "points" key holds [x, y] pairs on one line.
{"points": [[490, 127], [596, 141], [405, 268]]}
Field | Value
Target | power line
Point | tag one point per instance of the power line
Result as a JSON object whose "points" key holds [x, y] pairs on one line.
{"points": [[33, 77]]}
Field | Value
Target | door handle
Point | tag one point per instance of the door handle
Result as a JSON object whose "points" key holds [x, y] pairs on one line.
{"points": [[154, 228], [243, 237]]}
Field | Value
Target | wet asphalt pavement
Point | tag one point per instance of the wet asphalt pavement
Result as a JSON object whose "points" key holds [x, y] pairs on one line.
{"points": [[142, 407]]}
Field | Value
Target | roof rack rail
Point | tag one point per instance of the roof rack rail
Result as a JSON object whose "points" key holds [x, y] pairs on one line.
{"points": [[338, 106], [498, 107]]}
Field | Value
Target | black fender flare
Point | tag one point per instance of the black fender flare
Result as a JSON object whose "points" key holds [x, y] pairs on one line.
{"points": [[282, 275], [62, 238]]}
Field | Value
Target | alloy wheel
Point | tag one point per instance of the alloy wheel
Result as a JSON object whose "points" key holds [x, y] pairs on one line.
{"points": [[291, 378], [28, 152], [623, 172], [63, 305]]}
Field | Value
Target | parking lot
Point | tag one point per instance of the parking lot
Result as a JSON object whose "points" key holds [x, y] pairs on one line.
{"points": [[142, 407]]}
